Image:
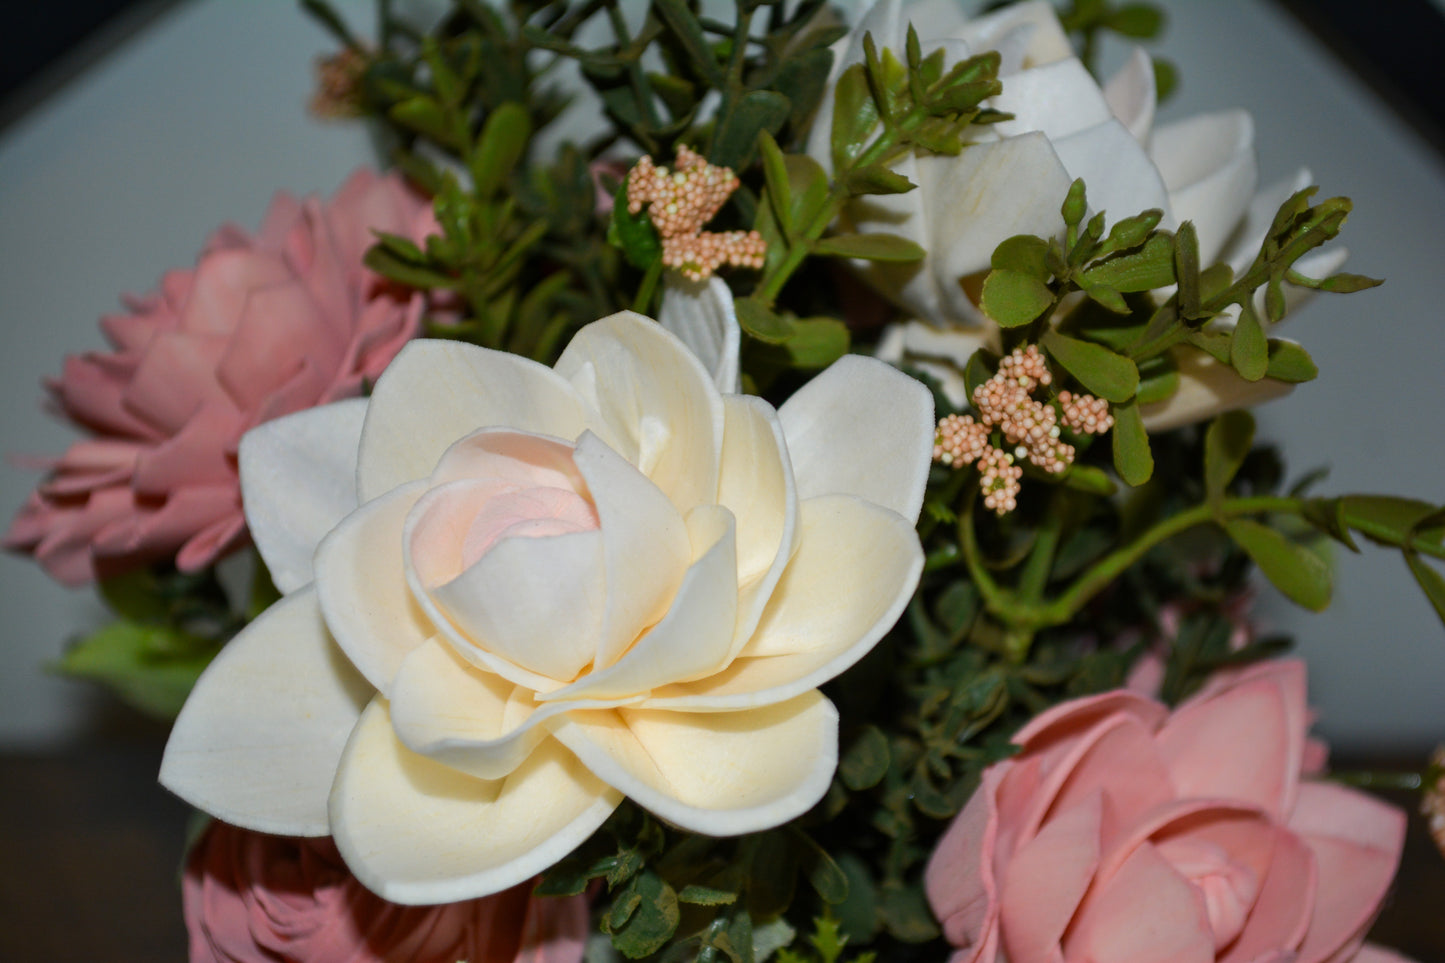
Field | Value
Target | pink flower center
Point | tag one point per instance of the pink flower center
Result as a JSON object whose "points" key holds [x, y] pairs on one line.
{"points": [[526, 513], [1229, 887]]}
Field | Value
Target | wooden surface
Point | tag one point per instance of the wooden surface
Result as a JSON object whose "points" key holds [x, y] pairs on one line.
{"points": [[90, 847]]}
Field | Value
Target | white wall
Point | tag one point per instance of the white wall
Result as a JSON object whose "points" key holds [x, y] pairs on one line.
{"points": [[199, 118]]}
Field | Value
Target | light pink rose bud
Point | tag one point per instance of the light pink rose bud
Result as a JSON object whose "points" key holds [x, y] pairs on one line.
{"points": [[263, 326], [253, 898], [1123, 831]]}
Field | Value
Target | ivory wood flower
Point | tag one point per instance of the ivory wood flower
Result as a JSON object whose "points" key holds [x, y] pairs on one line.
{"points": [[1013, 176], [552, 588]]}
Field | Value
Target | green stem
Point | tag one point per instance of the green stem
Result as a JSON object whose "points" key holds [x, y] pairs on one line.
{"points": [[1064, 607], [1040, 562], [1379, 780], [647, 288], [995, 597]]}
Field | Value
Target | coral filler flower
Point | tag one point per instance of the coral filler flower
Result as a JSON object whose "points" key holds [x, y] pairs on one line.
{"points": [[1013, 177], [253, 898], [1124, 831], [263, 326], [551, 588]]}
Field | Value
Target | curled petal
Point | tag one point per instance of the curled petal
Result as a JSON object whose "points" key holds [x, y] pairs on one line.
{"points": [[702, 316], [719, 773], [259, 739], [415, 831]]}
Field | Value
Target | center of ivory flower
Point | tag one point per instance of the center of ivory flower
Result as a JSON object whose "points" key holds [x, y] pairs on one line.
{"points": [[1229, 887], [526, 513]]}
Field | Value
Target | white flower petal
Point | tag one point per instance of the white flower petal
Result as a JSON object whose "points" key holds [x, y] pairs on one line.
{"points": [[535, 602], [505, 455], [1058, 99], [435, 392], [701, 314], [298, 479], [645, 546], [942, 354], [259, 739], [657, 402], [695, 637], [827, 612], [468, 718], [1118, 175], [1208, 165], [756, 484], [1132, 96], [361, 584], [1036, 20], [417, 832], [1207, 388], [719, 773], [861, 428]]}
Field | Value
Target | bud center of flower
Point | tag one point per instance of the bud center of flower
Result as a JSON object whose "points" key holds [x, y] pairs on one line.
{"points": [[1229, 887], [526, 513]]}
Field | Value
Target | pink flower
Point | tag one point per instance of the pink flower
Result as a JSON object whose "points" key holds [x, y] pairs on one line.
{"points": [[1126, 832], [253, 898], [262, 326]]}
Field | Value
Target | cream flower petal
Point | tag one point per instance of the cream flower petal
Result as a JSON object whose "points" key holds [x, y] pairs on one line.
{"points": [[535, 602], [1120, 178], [695, 637], [415, 831], [643, 535], [361, 584], [756, 484], [942, 354], [505, 455], [826, 613], [1057, 99], [1209, 168], [467, 718], [1207, 388], [719, 773], [1037, 20], [258, 741], [657, 402], [861, 428], [702, 316], [435, 392], [1132, 96], [298, 480]]}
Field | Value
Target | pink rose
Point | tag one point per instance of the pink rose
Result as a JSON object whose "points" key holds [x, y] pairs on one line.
{"points": [[253, 898], [1126, 832], [263, 326]]}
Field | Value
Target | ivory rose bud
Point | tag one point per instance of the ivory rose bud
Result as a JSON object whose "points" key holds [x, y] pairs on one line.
{"points": [[252, 898], [1012, 178], [1124, 831], [551, 588], [262, 326]]}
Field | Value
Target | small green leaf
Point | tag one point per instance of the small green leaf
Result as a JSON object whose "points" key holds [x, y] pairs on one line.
{"points": [[802, 79], [1105, 295], [1076, 204], [1132, 458], [809, 185], [1342, 283], [705, 896], [759, 321], [1384, 518], [425, 116], [1186, 270], [502, 143], [736, 136], [1226, 443], [775, 174], [1290, 362], [633, 233], [816, 343], [1152, 266], [388, 265], [1023, 254], [1111, 376], [855, 115], [1130, 232], [1158, 379], [1087, 478], [827, 879], [876, 179], [1166, 78], [1140, 20], [1296, 571], [870, 247], [865, 761], [1328, 515], [1430, 582], [688, 30], [1014, 299], [650, 916], [151, 667], [1248, 347]]}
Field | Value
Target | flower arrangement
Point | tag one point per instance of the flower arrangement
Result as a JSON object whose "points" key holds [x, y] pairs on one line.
{"points": [[620, 587]]}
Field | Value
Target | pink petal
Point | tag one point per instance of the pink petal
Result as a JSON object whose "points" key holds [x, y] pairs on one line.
{"points": [[1145, 913], [1045, 881], [280, 328], [1369, 953], [197, 455], [210, 543], [959, 879], [176, 377], [222, 281], [1283, 908]]}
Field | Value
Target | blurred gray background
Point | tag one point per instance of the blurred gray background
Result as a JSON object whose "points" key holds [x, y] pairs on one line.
{"points": [[118, 160]]}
